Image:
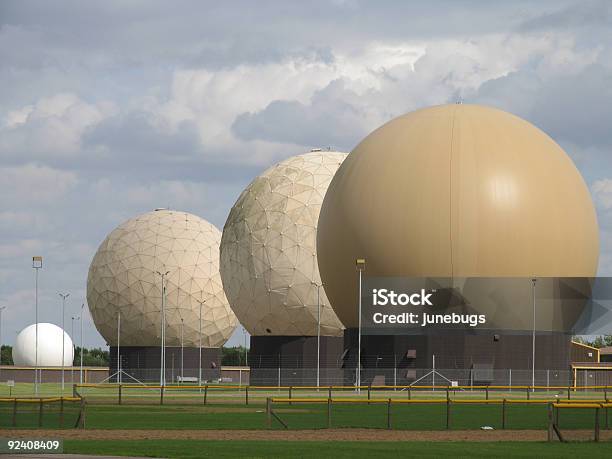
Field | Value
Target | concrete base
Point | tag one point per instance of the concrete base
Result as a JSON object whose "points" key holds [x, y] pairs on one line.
{"points": [[143, 363], [483, 357], [292, 360]]}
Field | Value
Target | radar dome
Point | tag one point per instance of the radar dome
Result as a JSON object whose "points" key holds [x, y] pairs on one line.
{"points": [[49, 347], [124, 277], [455, 191], [268, 250]]}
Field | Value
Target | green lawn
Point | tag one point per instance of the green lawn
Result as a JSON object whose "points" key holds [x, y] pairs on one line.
{"points": [[312, 416], [298, 416], [287, 449]]}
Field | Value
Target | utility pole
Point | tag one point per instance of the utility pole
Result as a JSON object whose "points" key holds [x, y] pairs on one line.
{"points": [[63, 297]]}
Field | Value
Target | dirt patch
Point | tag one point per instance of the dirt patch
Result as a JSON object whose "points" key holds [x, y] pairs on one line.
{"points": [[304, 435]]}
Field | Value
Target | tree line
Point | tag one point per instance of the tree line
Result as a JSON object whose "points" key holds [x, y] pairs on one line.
{"points": [[98, 357]]}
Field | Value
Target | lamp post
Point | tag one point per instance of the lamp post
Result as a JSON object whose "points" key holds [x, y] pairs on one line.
{"points": [[360, 264], [246, 352], [318, 332], [201, 303], [71, 335], [63, 297], [1, 309], [36, 265], [182, 347], [81, 369], [533, 292], [162, 376], [119, 347]]}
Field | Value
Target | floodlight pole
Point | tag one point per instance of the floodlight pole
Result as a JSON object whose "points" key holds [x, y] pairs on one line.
{"points": [[81, 370], [63, 296], [318, 332], [533, 337], [201, 302], [1, 309], [182, 360], [360, 263], [246, 352], [72, 363], [119, 347], [162, 376], [36, 264]]}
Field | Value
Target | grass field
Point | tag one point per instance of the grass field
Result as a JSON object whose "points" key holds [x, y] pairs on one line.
{"points": [[303, 416], [315, 449]]}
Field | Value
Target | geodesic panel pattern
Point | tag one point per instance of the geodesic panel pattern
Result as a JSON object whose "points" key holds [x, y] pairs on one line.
{"points": [[268, 249], [123, 278]]}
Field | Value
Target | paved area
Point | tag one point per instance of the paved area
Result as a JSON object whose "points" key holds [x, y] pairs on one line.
{"points": [[305, 435]]}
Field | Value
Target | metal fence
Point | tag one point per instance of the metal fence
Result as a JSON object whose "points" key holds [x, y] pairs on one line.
{"points": [[42, 412], [291, 376]]}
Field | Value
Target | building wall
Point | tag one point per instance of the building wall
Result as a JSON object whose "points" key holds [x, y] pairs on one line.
{"points": [[52, 375]]}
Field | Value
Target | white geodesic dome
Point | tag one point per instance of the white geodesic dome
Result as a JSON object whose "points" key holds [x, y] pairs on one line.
{"points": [[268, 249], [49, 347], [123, 278]]}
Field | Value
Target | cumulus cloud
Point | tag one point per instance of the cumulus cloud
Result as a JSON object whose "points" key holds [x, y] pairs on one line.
{"points": [[115, 109]]}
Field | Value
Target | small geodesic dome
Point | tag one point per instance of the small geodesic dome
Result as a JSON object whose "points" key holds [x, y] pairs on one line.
{"points": [[268, 249], [124, 278]]}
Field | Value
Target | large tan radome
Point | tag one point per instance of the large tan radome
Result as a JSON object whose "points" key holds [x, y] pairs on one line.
{"points": [[123, 278], [268, 250], [455, 191]]}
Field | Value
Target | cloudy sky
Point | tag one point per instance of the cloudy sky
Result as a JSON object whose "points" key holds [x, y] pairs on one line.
{"points": [[112, 108]]}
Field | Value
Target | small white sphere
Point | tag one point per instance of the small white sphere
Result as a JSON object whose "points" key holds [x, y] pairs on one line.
{"points": [[49, 347]]}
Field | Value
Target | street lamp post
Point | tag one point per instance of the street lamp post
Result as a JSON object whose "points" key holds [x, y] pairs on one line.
{"points": [[1, 309], [63, 297], [81, 356], [246, 352], [182, 347], [533, 339], [71, 335], [319, 332], [360, 264], [201, 302], [162, 376], [36, 264]]}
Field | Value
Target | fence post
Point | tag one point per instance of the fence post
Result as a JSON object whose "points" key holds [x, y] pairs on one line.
{"points": [[503, 413], [329, 405], [447, 393], [161, 395], [510, 378], [330, 389], [550, 422], [246, 394], [389, 414], [290, 392], [487, 393], [409, 393], [74, 391], [448, 413], [369, 390], [528, 396], [61, 416], [40, 412], [120, 390], [568, 392], [82, 414], [596, 424], [268, 413], [15, 412], [205, 393]]}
